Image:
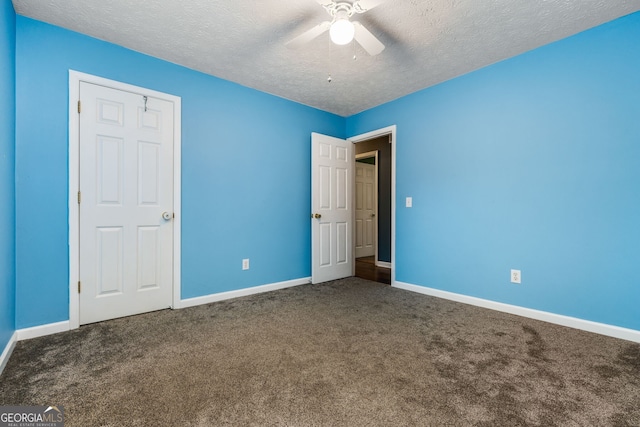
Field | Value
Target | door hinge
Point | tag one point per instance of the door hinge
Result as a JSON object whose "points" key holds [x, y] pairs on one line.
{"points": [[79, 197], [79, 286], [79, 106]]}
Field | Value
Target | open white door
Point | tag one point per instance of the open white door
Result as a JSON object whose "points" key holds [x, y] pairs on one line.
{"points": [[331, 208]]}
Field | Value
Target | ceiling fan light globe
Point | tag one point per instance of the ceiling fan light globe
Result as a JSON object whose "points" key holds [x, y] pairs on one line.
{"points": [[342, 31]]}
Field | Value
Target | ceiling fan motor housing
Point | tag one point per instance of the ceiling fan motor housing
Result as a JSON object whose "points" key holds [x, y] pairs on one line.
{"points": [[342, 10], [341, 29]]}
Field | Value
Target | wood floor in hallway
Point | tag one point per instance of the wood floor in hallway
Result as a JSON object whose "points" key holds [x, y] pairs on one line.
{"points": [[366, 269]]}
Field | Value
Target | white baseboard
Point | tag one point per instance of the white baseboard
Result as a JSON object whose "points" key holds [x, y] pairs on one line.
{"points": [[558, 319], [207, 299], [8, 349], [383, 264], [42, 330], [28, 333]]}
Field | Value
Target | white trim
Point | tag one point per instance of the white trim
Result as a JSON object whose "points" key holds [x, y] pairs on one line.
{"points": [[207, 299], [383, 264], [74, 214], [558, 319], [8, 349], [75, 78], [367, 155], [42, 330], [389, 130]]}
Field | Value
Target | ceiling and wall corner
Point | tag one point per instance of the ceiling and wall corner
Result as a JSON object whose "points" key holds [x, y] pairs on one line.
{"points": [[427, 41]]}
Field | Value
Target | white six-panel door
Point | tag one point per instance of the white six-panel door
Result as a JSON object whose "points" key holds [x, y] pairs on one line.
{"points": [[126, 200], [331, 206], [366, 203]]}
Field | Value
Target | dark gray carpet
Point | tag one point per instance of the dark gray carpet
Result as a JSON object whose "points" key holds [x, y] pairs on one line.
{"points": [[345, 353]]}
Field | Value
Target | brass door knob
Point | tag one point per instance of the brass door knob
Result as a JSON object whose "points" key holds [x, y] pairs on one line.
{"points": [[317, 216]]}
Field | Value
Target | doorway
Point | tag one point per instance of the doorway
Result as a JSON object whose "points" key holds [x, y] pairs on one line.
{"points": [[378, 150]]}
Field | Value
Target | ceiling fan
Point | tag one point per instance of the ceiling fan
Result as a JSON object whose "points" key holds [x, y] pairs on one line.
{"points": [[341, 29]]}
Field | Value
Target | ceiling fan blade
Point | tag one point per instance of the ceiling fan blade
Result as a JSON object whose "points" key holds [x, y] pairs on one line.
{"points": [[324, 2], [368, 41], [309, 35], [364, 5]]}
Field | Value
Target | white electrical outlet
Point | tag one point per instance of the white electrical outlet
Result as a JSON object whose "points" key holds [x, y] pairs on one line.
{"points": [[245, 264], [516, 276]]}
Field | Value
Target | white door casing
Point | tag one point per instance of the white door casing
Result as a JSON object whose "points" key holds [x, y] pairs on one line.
{"points": [[366, 204], [391, 132], [331, 207], [122, 250]]}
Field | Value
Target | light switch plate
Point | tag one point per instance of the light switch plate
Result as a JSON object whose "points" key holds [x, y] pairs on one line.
{"points": [[409, 202]]}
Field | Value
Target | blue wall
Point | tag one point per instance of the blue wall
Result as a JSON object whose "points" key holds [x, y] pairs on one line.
{"points": [[534, 164], [7, 175], [245, 171], [531, 163]]}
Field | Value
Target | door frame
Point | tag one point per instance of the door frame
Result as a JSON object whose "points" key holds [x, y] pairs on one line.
{"points": [[369, 155], [75, 78], [391, 131]]}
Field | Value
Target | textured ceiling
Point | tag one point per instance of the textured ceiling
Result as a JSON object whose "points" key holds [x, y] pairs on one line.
{"points": [[427, 41]]}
